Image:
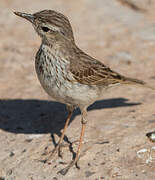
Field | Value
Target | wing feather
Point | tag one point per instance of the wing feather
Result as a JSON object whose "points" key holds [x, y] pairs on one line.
{"points": [[88, 70]]}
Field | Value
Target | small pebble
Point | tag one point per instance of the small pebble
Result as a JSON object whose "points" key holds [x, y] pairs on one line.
{"points": [[118, 150], [11, 154], [54, 178], [24, 151], [9, 172], [151, 136], [28, 140], [89, 173], [89, 164]]}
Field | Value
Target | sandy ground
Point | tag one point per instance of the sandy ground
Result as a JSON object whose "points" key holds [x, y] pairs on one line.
{"points": [[119, 33]]}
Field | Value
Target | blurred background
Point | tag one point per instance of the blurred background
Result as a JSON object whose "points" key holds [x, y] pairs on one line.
{"points": [[119, 33]]}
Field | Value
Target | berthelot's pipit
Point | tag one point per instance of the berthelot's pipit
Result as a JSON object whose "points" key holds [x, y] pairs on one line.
{"points": [[68, 74]]}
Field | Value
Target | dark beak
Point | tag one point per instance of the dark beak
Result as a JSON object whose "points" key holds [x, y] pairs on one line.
{"points": [[29, 17]]}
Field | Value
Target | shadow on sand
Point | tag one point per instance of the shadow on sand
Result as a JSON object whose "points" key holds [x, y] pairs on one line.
{"points": [[40, 116]]}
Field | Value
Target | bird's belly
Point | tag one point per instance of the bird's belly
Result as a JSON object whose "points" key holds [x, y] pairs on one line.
{"points": [[69, 92]]}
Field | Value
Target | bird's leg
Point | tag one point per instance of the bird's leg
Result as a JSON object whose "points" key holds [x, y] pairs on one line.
{"points": [[74, 161], [70, 110]]}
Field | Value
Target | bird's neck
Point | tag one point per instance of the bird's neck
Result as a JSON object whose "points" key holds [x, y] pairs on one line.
{"points": [[48, 41], [57, 42], [56, 39]]}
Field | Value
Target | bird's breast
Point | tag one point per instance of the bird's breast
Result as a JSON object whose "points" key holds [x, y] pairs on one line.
{"points": [[57, 80]]}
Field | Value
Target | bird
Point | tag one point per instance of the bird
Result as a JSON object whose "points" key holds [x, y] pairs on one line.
{"points": [[68, 74]]}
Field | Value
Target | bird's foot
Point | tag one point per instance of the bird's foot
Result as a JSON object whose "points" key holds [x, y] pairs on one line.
{"points": [[74, 162], [71, 164], [51, 154], [58, 149]]}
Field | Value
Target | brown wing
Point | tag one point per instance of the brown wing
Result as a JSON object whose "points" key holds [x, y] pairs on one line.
{"points": [[88, 70]]}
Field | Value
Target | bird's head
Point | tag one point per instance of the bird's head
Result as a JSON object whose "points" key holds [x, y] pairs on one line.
{"points": [[49, 24]]}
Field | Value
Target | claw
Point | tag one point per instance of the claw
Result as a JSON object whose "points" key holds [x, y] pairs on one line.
{"points": [[63, 171]]}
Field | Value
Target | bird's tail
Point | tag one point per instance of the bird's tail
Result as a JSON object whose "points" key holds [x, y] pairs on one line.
{"points": [[136, 82]]}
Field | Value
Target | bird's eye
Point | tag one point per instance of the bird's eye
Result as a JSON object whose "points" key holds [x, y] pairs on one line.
{"points": [[45, 29]]}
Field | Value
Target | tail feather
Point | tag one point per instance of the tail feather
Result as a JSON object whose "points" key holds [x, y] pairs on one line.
{"points": [[137, 82]]}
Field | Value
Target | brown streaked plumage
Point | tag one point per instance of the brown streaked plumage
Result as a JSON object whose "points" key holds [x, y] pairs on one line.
{"points": [[68, 74]]}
